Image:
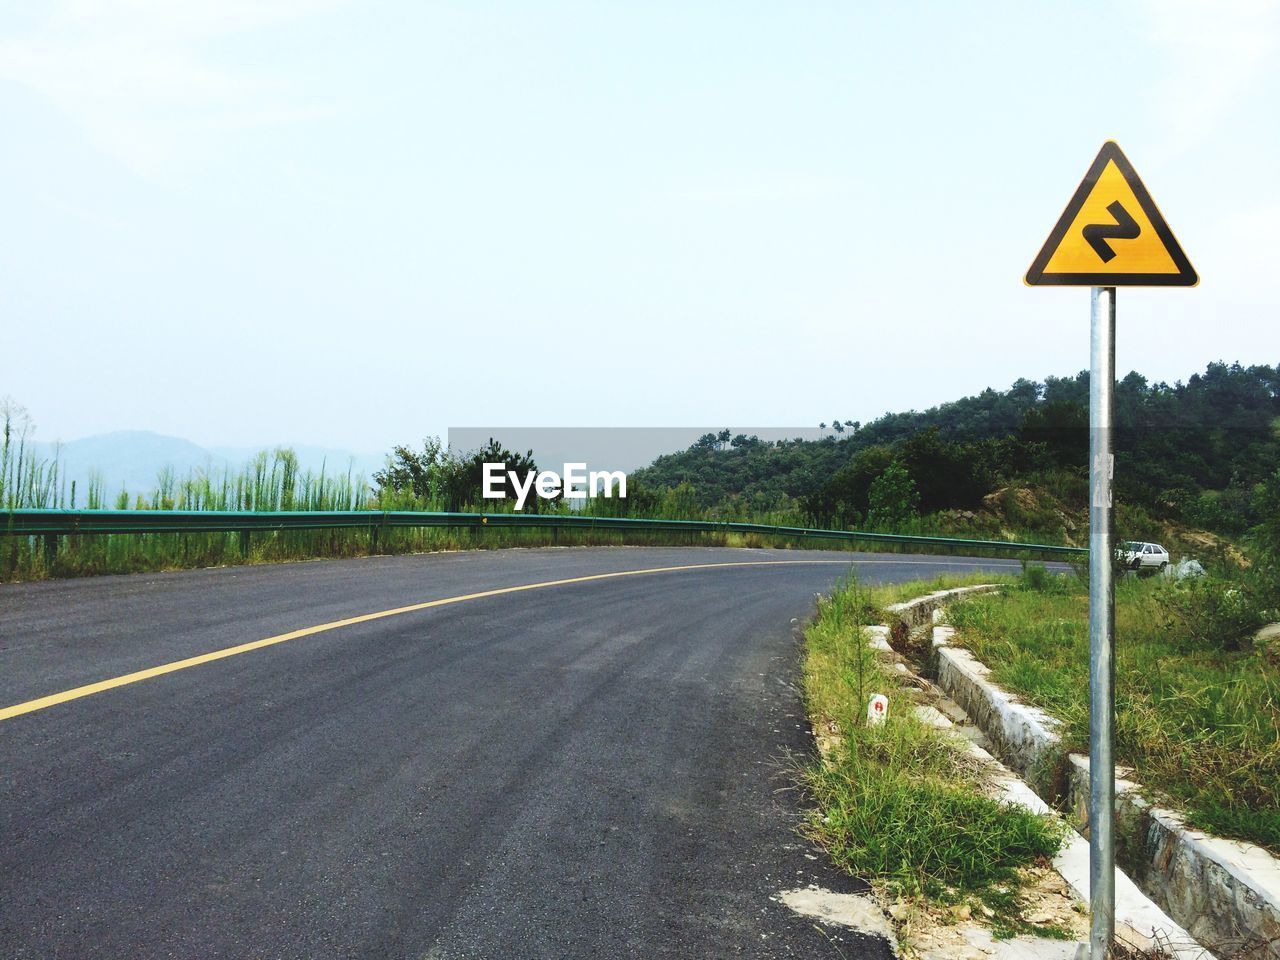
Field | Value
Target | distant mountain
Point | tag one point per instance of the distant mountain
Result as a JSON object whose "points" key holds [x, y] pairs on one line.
{"points": [[133, 460]]}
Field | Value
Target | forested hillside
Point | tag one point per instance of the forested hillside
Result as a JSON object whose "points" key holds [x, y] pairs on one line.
{"points": [[1196, 453]]}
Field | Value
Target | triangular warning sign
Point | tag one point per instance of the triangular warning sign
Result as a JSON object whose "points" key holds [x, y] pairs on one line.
{"points": [[1112, 235]]}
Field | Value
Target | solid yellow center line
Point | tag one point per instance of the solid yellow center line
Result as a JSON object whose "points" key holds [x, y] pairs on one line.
{"points": [[53, 699]]}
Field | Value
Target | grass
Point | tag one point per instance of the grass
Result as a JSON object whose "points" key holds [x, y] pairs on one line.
{"points": [[901, 803], [1199, 721]]}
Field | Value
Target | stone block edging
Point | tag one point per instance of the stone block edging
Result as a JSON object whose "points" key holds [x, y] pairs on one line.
{"points": [[1224, 892], [1186, 870]]}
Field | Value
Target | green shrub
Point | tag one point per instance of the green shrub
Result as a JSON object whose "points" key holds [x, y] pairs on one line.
{"points": [[893, 498], [1211, 612], [1034, 577]]}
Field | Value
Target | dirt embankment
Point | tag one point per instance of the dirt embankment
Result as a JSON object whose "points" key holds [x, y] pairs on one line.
{"points": [[1010, 511]]}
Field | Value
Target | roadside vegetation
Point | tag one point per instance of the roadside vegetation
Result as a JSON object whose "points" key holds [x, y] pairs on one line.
{"points": [[1197, 700], [1193, 462], [901, 803], [1190, 458], [426, 479]]}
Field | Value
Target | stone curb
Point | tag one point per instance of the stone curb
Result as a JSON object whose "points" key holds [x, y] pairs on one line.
{"points": [[1024, 736], [1225, 892], [1141, 923], [919, 611], [1186, 869]]}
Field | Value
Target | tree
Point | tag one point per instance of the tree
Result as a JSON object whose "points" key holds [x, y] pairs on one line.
{"points": [[1267, 533], [435, 478], [843, 499], [1193, 450], [893, 498], [464, 476], [947, 475], [409, 472], [1062, 426]]}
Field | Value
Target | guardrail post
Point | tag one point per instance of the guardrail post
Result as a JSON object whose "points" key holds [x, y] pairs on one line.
{"points": [[50, 548], [244, 543]]}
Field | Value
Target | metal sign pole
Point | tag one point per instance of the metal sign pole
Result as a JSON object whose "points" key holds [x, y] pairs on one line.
{"points": [[1128, 245], [1102, 853]]}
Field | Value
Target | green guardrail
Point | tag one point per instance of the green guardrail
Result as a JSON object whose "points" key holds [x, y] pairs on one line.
{"points": [[58, 523]]}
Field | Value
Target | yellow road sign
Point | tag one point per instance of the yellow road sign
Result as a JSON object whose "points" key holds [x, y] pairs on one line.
{"points": [[1111, 235]]}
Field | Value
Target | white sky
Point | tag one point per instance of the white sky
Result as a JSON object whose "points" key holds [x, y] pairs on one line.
{"points": [[355, 224]]}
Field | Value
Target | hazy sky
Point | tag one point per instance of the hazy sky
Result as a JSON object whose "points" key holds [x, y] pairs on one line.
{"points": [[354, 224]]}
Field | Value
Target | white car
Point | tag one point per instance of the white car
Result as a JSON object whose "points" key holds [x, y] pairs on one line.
{"points": [[1144, 556]]}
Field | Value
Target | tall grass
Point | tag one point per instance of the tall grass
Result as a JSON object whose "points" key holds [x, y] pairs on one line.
{"points": [[270, 481], [25, 479]]}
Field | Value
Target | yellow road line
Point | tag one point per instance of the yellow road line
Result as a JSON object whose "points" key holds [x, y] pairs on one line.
{"points": [[31, 706]]}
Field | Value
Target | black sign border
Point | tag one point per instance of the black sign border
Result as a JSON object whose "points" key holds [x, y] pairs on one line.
{"points": [[1111, 152]]}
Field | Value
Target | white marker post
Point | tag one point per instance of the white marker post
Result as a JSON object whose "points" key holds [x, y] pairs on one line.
{"points": [[877, 709]]}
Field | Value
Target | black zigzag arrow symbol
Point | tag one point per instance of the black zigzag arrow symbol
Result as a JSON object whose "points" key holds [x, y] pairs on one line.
{"points": [[1125, 228]]}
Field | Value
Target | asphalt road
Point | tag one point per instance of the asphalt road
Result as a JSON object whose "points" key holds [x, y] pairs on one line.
{"points": [[592, 769]]}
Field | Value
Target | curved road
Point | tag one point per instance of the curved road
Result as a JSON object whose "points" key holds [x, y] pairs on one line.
{"points": [[592, 768]]}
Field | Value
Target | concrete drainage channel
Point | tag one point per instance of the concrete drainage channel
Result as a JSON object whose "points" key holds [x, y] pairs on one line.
{"points": [[1218, 894]]}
